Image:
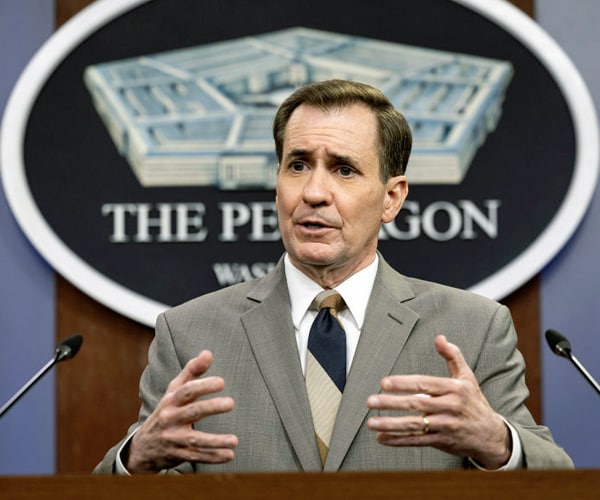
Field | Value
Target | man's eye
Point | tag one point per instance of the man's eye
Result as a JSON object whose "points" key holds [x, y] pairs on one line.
{"points": [[297, 166], [346, 171]]}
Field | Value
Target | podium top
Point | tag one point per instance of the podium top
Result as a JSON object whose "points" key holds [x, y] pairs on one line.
{"points": [[463, 485]]}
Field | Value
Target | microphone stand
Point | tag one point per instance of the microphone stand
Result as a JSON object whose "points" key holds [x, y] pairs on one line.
{"points": [[66, 349], [583, 371], [28, 385]]}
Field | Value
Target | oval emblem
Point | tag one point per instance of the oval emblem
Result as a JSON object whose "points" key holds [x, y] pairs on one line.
{"points": [[137, 154]]}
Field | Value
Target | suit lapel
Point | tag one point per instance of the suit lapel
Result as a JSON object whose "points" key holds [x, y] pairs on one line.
{"points": [[270, 332], [387, 325]]}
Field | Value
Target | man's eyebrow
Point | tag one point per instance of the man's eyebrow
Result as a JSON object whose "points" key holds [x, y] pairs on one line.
{"points": [[295, 153], [347, 160], [339, 158]]}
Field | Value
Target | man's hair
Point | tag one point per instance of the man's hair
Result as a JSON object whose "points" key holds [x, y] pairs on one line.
{"points": [[394, 135]]}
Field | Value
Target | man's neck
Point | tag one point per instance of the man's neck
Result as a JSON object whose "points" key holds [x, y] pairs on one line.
{"points": [[329, 277]]}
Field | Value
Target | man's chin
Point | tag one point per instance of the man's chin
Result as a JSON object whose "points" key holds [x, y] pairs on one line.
{"points": [[315, 258]]}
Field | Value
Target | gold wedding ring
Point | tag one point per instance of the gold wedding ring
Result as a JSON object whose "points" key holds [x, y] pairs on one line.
{"points": [[425, 429]]}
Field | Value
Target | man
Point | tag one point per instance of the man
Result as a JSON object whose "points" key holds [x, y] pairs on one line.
{"points": [[431, 380]]}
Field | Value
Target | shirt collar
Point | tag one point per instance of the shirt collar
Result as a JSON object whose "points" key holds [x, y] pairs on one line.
{"points": [[356, 290]]}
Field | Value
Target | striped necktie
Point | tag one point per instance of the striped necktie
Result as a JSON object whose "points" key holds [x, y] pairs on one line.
{"points": [[326, 366]]}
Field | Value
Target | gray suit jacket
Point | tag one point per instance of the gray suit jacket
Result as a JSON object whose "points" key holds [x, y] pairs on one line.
{"points": [[248, 328]]}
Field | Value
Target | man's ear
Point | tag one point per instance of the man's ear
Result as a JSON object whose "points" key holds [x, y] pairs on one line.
{"points": [[396, 191]]}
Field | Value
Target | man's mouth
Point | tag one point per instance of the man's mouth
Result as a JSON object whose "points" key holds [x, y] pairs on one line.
{"points": [[313, 225]]}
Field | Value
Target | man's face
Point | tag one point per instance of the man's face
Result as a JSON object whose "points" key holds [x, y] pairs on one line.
{"points": [[330, 197]]}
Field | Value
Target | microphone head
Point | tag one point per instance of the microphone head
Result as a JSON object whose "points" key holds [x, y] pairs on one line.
{"points": [[68, 347], [558, 343]]}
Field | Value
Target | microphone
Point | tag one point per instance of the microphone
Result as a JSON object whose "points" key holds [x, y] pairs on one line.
{"points": [[562, 347], [65, 350]]}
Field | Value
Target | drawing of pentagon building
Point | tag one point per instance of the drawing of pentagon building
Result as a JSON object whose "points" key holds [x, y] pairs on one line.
{"points": [[203, 115]]}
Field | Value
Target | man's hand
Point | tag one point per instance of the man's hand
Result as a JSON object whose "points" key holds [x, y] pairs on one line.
{"points": [[456, 418], [167, 437]]}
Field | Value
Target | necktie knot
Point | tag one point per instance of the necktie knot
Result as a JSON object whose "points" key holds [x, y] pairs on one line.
{"points": [[329, 299]]}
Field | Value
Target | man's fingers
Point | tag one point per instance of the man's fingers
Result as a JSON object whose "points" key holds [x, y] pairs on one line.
{"points": [[193, 412], [430, 385], [167, 437], [412, 385], [215, 441], [193, 369], [198, 446], [457, 366], [406, 426], [409, 403], [201, 409], [196, 388], [211, 456]]}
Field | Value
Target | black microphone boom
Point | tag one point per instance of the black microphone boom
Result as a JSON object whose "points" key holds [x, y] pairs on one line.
{"points": [[562, 347], [65, 350]]}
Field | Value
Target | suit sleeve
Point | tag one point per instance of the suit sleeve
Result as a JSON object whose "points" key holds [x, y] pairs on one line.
{"points": [[163, 366], [500, 371]]}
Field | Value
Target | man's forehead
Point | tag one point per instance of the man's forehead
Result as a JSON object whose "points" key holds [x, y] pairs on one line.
{"points": [[332, 108], [353, 116], [342, 134]]}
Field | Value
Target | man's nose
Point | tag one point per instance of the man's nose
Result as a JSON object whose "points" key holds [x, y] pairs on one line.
{"points": [[318, 187]]}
